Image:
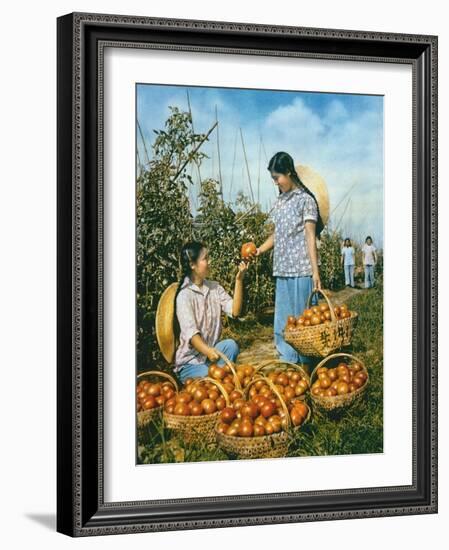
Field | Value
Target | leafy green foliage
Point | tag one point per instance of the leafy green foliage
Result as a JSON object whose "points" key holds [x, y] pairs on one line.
{"points": [[331, 272], [164, 223]]}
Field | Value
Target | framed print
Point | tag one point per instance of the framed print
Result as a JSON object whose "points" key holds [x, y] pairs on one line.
{"points": [[247, 274]]}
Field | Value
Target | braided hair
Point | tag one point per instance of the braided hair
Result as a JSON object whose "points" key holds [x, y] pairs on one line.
{"points": [[283, 163], [190, 253]]}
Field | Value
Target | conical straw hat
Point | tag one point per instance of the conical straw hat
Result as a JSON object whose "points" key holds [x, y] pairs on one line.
{"points": [[316, 184], [165, 316]]}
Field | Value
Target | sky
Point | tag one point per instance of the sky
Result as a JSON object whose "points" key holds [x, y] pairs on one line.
{"points": [[340, 136]]}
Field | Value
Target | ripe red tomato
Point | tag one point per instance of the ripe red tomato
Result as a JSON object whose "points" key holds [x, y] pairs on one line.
{"points": [[248, 249]]}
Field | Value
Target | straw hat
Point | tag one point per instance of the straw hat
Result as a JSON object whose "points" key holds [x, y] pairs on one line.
{"points": [[316, 184], [165, 316]]}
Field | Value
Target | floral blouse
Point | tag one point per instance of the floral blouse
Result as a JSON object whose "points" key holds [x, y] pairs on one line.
{"points": [[291, 256]]}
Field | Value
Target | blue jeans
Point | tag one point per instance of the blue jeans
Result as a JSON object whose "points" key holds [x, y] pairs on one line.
{"points": [[349, 275], [191, 370], [369, 276], [290, 299]]}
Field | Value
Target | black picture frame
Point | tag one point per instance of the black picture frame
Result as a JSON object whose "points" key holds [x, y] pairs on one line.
{"points": [[81, 510]]}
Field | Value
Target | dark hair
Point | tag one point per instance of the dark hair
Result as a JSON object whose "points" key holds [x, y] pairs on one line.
{"points": [[348, 239], [283, 163], [190, 253], [369, 238]]}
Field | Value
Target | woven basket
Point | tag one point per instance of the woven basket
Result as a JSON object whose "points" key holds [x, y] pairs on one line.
{"points": [[323, 339], [145, 417], [338, 401], [196, 428], [263, 446]]}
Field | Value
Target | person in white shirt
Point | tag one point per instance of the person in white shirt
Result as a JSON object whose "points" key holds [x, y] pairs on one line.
{"points": [[348, 262], [369, 261]]}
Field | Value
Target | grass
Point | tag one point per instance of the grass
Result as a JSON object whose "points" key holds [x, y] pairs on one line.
{"points": [[355, 430]]}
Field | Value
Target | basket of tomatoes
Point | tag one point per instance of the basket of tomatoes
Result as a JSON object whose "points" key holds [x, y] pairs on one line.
{"points": [[290, 379], [321, 329], [259, 423], [338, 381], [194, 410], [152, 392]]}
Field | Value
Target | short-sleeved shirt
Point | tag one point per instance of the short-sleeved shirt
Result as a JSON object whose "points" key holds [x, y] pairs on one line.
{"points": [[291, 211], [199, 310], [368, 254], [348, 255]]}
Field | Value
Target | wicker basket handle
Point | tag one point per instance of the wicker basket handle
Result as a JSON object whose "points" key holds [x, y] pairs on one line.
{"points": [[231, 366], [334, 356], [218, 384], [324, 295], [274, 390], [161, 374], [271, 362]]}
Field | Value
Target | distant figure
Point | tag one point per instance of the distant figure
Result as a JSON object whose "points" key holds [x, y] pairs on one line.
{"points": [[348, 262], [369, 261]]}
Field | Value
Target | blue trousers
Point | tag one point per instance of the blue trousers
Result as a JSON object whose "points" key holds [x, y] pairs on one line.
{"points": [[349, 275], [369, 276], [190, 370], [290, 299]]}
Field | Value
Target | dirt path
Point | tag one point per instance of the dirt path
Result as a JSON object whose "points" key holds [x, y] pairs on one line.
{"points": [[344, 295], [263, 348]]}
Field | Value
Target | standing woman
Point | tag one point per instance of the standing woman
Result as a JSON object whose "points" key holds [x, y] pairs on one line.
{"points": [[348, 262], [369, 261], [297, 222]]}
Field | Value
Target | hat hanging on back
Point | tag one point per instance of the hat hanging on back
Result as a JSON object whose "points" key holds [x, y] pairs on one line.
{"points": [[316, 184], [165, 316]]}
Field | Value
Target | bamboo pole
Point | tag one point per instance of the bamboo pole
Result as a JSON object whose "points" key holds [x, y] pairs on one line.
{"points": [[338, 224], [266, 158], [233, 165], [220, 179], [143, 141], [193, 132], [247, 167], [343, 198]]}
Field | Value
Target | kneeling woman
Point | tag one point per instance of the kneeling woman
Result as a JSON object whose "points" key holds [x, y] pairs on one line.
{"points": [[199, 305]]}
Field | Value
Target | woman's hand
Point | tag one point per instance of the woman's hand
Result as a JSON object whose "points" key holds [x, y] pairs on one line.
{"points": [[253, 255], [212, 355], [267, 245], [243, 268], [316, 280]]}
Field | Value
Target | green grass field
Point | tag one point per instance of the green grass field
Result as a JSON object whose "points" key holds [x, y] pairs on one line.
{"points": [[355, 430]]}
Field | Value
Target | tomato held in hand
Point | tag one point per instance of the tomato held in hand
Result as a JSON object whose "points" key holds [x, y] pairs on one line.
{"points": [[248, 250]]}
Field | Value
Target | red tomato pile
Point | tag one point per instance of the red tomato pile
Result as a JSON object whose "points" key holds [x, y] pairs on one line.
{"points": [[340, 380], [262, 413], [195, 399], [153, 394], [317, 315]]}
